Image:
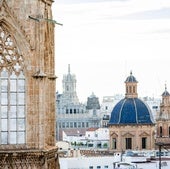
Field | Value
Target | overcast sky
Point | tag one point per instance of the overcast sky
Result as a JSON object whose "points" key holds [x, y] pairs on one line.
{"points": [[103, 40]]}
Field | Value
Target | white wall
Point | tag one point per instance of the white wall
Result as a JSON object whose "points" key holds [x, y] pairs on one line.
{"points": [[86, 162]]}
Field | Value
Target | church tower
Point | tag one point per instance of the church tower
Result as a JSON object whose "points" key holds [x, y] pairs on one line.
{"points": [[131, 124], [69, 87], [163, 119], [27, 85], [131, 87]]}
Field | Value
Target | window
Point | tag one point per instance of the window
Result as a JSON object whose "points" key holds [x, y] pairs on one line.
{"points": [[106, 166], [75, 125], [71, 124], [66, 111], [114, 146], [67, 124], [128, 143], [91, 167], [130, 89], [160, 131], [63, 124], [79, 124], [144, 142], [59, 124], [12, 92], [98, 167]]}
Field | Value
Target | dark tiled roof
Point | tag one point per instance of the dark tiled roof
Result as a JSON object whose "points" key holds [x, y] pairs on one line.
{"points": [[165, 93], [131, 111], [131, 78]]}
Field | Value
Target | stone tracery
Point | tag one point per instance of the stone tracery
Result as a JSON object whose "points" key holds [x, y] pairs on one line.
{"points": [[9, 55]]}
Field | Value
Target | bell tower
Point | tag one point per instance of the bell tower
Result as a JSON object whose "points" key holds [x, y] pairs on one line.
{"points": [[27, 85], [131, 87], [163, 119]]}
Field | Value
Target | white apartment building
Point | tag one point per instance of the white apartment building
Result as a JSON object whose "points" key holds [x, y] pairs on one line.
{"points": [[93, 138]]}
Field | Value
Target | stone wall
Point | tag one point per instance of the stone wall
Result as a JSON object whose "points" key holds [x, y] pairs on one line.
{"points": [[30, 25], [136, 132]]}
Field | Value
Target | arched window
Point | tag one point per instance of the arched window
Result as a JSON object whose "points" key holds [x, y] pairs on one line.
{"points": [[160, 131], [12, 92], [130, 89]]}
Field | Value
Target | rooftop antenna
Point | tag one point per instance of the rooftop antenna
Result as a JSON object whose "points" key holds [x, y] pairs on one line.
{"points": [[68, 68], [165, 86]]}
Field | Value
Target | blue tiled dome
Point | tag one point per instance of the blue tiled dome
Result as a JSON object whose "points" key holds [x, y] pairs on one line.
{"points": [[131, 111]]}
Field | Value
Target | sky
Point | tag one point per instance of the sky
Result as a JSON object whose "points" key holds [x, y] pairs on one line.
{"points": [[104, 40]]}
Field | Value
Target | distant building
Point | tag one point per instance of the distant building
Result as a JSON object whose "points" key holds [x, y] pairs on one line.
{"points": [[71, 114], [107, 105], [92, 138], [131, 124], [154, 104], [97, 137], [93, 103]]}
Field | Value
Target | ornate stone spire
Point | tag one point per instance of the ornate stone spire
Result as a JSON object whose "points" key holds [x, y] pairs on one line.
{"points": [[68, 68]]}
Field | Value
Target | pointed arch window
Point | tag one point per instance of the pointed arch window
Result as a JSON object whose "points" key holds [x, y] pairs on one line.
{"points": [[12, 91]]}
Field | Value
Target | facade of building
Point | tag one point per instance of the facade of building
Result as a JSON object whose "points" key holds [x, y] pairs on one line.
{"points": [[107, 105], [92, 102], [94, 138], [131, 124], [72, 116], [27, 85], [154, 104], [163, 119]]}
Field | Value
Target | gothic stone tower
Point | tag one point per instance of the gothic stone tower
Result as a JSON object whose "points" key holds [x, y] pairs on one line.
{"points": [[27, 85]]}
